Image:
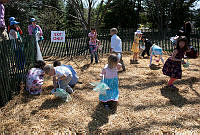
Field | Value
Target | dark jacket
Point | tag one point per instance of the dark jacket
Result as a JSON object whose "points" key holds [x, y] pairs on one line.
{"points": [[148, 43]]}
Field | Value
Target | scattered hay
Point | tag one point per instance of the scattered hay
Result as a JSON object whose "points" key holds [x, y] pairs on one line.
{"points": [[146, 105]]}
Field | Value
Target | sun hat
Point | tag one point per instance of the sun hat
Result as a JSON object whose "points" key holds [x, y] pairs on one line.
{"points": [[138, 32], [11, 19], [14, 22], [32, 20]]}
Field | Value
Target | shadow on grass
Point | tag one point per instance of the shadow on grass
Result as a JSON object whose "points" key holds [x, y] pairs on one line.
{"points": [[49, 104], [85, 67], [174, 123], [142, 86], [190, 81], [174, 97], [100, 117], [25, 96], [178, 122], [47, 90], [197, 70], [155, 67]]}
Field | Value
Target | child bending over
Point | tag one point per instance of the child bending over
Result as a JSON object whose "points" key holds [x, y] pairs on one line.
{"points": [[61, 77], [75, 78], [156, 50]]}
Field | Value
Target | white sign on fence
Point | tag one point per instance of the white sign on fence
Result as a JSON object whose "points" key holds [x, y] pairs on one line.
{"points": [[57, 36]]}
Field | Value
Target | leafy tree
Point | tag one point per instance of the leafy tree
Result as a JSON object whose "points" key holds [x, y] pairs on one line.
{"points": [[85, 10], [197, 18], [168, 13], [71, 22], [49, 13], [123, 14]]}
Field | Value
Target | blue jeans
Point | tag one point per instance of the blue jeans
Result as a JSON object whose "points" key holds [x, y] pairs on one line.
{"points": [[93, 52]]}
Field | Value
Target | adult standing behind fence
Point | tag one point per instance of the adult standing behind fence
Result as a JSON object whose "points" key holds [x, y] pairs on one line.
{"points": [[3, 32], [18, 28], [13, 32], [35, 30], [19, 48]]}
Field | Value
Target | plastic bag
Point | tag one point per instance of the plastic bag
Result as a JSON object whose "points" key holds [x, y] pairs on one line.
{"points": [[100, 47], [119, 56], [186, 65], [62, 94], [100, 87], [142, 47]]}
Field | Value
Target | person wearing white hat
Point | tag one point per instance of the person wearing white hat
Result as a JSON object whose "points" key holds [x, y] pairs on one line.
{"points": [[135, 47]]}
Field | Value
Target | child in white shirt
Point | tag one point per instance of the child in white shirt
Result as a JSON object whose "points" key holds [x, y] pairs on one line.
{"points": [[62, 77], [116, 45]]}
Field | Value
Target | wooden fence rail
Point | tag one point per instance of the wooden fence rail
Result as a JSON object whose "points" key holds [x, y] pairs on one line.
{"points": [[77, 42]]}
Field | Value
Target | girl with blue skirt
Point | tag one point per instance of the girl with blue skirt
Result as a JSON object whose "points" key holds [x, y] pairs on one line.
{"points": [[110, 77]]}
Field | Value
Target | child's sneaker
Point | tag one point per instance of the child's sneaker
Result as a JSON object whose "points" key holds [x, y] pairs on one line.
{"points": [[53, 91], [107, 107], [132, 61], [136, 62]]}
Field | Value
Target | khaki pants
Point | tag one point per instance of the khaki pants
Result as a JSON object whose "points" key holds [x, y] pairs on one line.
{"points": [[3, 35], [64, 84]]}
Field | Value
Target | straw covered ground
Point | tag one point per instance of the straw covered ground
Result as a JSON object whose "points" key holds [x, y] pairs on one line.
{"points": [[146, 105]]}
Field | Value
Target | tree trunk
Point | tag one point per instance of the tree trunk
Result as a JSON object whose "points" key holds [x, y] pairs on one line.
{"points": [[89, 14]]}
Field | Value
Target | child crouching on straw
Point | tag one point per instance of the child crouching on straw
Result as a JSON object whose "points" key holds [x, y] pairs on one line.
{"points": [[62, 77]]}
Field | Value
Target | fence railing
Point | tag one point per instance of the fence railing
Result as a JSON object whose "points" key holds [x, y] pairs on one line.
{"points": [[16, 58]]}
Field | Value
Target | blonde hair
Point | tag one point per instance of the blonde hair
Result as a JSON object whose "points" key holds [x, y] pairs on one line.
{"points": [[48, 68], [112, 60], [114, 30]]}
